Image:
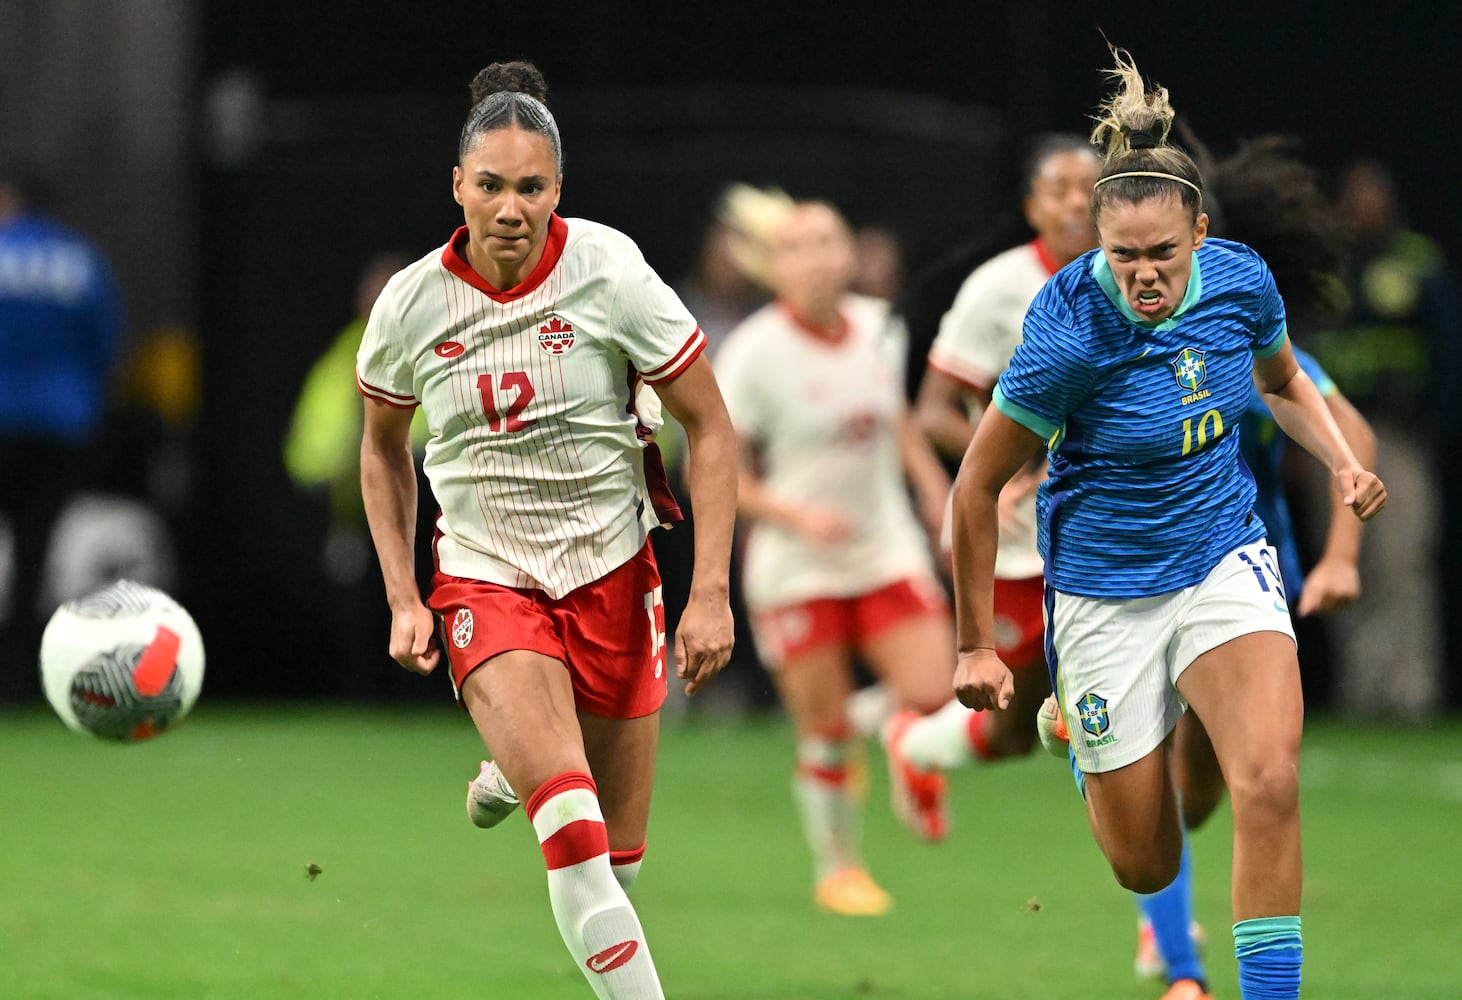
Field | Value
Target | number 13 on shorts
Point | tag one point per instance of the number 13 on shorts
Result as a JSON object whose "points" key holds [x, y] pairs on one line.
{"points": [[655, 608]]}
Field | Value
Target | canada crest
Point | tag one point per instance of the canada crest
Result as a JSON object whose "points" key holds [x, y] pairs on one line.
{"points": [[462, 628], [556, 336]]}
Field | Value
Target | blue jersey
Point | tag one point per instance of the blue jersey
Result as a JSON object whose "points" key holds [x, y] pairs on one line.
{"points": [[1147, 491], [1262, 444], [60, 319]]}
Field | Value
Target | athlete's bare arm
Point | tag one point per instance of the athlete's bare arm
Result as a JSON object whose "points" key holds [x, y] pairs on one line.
{"points": [[1000, 448], [1301, 413], [704, 637], [388, 487], [940, 409]]}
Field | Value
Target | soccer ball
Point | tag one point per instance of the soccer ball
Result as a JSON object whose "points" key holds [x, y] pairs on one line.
{"points": [[123, 663], [1051, 727]]}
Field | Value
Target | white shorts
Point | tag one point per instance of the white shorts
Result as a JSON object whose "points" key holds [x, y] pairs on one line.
{"points": [[1116, 661]]}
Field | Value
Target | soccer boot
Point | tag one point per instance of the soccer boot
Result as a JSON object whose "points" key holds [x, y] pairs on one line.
{"points": [[917, 796], [1186, 989], [1051, 727], [852, 893], [489, 798], [1149, 962]]}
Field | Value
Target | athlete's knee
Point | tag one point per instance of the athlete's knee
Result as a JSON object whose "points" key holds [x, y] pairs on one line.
{"points": [[1145, 871], [1265, 790]]}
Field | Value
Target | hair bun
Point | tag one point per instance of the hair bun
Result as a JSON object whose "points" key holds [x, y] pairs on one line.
{"points": [[519, 77], [1141, 138]]}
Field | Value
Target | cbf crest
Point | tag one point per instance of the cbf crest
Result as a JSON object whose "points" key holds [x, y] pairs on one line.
{"points": [[1189, 368], [556, 336], [1092, 711]]}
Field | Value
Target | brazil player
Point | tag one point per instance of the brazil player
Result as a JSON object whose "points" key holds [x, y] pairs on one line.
{"points": [[1270, 201], [525, 340], [1161, 593]]}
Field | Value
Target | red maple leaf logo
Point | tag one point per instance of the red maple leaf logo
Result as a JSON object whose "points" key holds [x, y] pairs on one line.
{"points": [[556, 336]]}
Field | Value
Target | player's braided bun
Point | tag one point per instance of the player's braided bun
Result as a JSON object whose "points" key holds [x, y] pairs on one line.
{"points": [[518, 77], [755, 217], [509, 95]]}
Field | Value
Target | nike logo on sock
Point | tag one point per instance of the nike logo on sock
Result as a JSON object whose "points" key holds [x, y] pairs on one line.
{"points": [[612, 957]]}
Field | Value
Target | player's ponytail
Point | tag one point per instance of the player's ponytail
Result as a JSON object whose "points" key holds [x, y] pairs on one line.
{"points": [[510, 94], [1132, 132]]}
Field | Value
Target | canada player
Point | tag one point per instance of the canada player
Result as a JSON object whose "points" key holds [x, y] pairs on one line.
{"points": [[525, 341], [836, 563]]}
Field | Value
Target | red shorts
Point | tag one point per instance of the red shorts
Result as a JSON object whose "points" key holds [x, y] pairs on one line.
{"points": [[1020, 622], [610, 634], [789, 631]]}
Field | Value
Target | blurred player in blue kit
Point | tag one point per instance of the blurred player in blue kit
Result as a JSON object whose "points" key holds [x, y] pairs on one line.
{"points": [[1135, 369], [61, 319]]}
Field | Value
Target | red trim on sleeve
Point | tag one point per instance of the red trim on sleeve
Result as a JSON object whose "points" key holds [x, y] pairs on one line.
{"points": [[384, 395], [454, 259], [1044, 256], [679, 362]]}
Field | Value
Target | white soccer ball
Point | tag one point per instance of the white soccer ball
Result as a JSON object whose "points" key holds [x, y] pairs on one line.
{"points": [[123, 663]]}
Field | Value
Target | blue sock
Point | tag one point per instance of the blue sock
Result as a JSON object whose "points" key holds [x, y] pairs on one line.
{"points": [[1077, 773], [1170, 911], [1269, 953]]}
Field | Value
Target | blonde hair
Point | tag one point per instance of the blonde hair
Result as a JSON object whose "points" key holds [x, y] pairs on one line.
{"points": [[1132, 131], [754, 216]]}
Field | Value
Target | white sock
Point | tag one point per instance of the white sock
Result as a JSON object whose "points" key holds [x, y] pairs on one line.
{"points": [[594, 916], [626, 865], [831, 814], [940, 740]]}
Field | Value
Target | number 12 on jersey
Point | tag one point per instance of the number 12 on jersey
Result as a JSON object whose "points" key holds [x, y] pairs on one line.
{"points": [[510, 420]]}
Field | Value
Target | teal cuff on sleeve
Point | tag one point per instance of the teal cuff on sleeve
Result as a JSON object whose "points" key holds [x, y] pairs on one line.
{"points": [[1030, 421], [1275, 346]]}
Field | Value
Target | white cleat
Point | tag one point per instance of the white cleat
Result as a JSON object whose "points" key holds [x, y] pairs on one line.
{"points": [[490, 800]]}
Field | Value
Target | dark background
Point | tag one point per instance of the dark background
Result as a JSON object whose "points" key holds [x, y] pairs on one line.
{"points": [[340, 134]]}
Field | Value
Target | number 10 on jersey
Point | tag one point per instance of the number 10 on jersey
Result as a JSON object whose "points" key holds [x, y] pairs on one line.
{"points": [[1210, 427]]}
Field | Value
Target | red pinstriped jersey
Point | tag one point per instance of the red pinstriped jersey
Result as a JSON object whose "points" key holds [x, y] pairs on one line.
{"points": [[539, 454]]}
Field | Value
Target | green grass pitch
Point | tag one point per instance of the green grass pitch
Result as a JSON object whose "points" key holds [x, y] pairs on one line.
{"points": [[178, 869]]}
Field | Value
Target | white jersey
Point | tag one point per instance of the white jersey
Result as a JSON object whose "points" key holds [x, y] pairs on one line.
{"points": [[825, 412], [977, 337], [539, 430]]}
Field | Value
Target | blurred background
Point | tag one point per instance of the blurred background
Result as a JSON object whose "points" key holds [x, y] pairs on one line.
{"points": [[248, 167]]}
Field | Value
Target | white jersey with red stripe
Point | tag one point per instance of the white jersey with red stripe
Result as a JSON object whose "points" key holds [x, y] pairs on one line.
{"points": [[540, 455], [825, 412], [977, 337]]}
